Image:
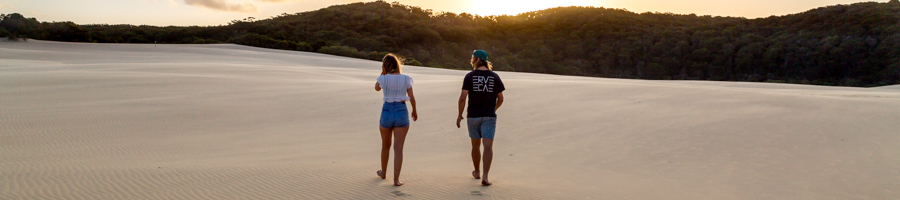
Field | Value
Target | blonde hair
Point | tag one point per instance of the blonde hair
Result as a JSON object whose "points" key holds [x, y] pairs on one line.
{"points": [[390, 64], [478, 62]]}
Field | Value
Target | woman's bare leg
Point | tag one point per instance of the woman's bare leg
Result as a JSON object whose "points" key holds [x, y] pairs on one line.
{"points": [[488, 156], [385, 151], [476, 157], [399, 138]]}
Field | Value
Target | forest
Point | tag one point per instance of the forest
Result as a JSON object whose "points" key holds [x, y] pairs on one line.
{"points": [[841, 45]]}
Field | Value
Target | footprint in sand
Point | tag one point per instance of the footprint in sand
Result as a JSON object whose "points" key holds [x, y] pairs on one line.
{"points": [[477, 193], [399, 193]]}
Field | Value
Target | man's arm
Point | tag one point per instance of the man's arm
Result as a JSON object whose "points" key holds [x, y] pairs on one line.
{"points": [[499, 101], [462, 105]]}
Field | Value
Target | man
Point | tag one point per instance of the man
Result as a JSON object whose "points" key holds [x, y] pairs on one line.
{"points": [[485, 92]]}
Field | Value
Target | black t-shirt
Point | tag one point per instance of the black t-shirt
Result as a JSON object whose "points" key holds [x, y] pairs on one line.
{"points": [[483, 87]]}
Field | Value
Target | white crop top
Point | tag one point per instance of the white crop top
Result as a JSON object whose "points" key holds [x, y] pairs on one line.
{"points": [[394, 87]]}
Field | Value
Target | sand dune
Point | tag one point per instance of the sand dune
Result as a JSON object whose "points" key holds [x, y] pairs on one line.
{"points": [[131, 121], [893, 87]]}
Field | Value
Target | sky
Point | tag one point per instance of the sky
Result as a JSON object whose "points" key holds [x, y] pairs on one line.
{"points": [[219, 12]]}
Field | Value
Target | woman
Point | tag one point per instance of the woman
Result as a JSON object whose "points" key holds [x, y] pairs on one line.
{"points": [[394, 116], [484, 89]]}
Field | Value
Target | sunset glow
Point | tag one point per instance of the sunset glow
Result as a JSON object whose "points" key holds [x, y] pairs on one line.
{"points": [[218, 12], [513, 7]]}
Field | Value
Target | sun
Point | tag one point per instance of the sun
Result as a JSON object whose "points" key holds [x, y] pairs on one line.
{"points": [[513, 7]]}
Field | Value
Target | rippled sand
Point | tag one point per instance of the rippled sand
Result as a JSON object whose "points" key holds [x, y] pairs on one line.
{"points": [[129, 121]]}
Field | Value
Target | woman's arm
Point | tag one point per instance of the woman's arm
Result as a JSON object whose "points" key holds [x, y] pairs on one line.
{"points": [[377, 87], [499, 101], [462, 106], [412, 101]]}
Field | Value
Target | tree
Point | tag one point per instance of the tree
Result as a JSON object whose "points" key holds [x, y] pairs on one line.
{"points": [[18, 26]]}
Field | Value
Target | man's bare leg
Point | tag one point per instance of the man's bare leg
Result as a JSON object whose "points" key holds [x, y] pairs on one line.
{"points": [[488, 156], [476, 157]]}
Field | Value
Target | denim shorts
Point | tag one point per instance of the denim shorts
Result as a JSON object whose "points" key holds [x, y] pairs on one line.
{"points": [[394, 114], [482, 127]]}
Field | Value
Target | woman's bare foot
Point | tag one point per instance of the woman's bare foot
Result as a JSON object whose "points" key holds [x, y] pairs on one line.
{"points": [[380, 174], [476, 174], [398, 183], [486, 183]]}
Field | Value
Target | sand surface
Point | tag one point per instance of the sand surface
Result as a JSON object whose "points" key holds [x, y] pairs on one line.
{"points": [[894, 87], [129, 121]]}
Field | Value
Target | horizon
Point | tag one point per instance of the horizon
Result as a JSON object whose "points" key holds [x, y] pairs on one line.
{"points": [[220, 12]]}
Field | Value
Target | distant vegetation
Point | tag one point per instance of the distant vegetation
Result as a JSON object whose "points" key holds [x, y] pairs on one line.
{"points": [[848, 45]]}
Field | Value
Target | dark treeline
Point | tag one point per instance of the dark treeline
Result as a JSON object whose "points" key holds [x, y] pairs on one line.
{"points": [[848, 45]]}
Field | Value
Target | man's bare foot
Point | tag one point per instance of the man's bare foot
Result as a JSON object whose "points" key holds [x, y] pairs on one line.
{"points": [[380, 174], [476, 174], [398, 183], [486, 183]]}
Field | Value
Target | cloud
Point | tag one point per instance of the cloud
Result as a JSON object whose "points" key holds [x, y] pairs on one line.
{"points": [[223, 5], [277, 1]]}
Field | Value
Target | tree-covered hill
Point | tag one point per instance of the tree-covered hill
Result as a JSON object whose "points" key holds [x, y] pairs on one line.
{"points": [[849, 45]]}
